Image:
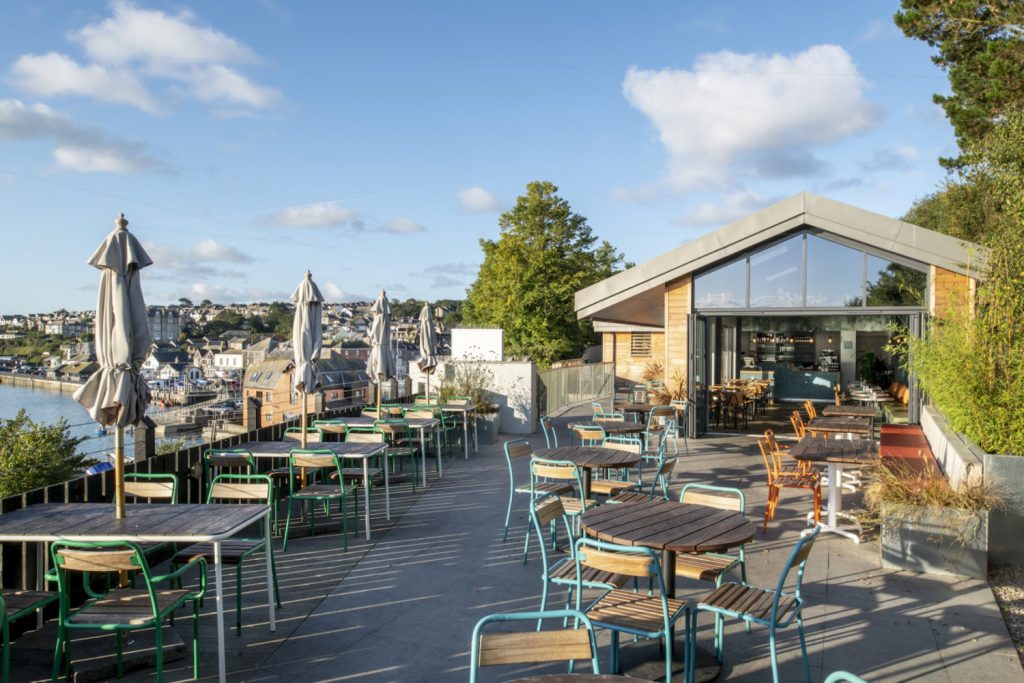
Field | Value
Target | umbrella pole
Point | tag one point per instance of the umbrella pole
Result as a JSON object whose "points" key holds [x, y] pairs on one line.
{"points": [[119, 473], [428, 388], [304, 419]]}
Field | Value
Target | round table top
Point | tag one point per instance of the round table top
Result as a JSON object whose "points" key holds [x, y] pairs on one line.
{"points": [[614, 427], [667, 525], [590, 457]]}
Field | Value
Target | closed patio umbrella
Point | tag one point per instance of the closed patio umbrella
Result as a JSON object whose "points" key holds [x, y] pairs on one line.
{"points": [[307, 340], [428, 345], [116, 394], [381, 364]]}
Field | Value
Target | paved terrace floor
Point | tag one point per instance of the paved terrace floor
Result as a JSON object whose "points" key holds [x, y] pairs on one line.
{"points": [[402, 607]]}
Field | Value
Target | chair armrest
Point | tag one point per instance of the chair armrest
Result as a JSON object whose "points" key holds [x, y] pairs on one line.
{"points": [[199, 561]]}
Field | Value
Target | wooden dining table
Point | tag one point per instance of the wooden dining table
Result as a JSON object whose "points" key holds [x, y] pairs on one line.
{"points": [[836, 454], [590, 458], [860, 426], [145, 523]]}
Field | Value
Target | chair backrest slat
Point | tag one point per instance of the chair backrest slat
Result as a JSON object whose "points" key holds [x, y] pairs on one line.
{"points": [[163, 490], [629, 446], [312, 460], [517, 449], [617, 563], [125, 559], [547, 509], [420, 414], [364, 437], [236, 490], [567, 472], [534, 647]]}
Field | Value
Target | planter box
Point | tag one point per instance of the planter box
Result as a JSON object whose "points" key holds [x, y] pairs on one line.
{"points": [[935, 540], [1006, 474], [487, 428]]}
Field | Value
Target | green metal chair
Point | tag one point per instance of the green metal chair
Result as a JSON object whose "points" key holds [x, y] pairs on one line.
{"points": [[772, 608], [634, 613], [322, 461], [121, 609], [514, 449], [236, 488], [402, 444], [14, 605], [533, 647], [152, 486]]}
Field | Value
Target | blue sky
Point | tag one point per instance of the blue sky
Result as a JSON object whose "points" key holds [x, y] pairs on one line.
{"points": [[376, 143]]}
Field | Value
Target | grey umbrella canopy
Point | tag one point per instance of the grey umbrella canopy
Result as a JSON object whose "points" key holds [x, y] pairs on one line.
{"points": [[381, 364], [116, 394], [428, 344], [307, 340]]}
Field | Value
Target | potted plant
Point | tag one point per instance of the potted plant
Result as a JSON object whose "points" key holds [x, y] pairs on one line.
{"points": [[470, 379], [928, 526]]}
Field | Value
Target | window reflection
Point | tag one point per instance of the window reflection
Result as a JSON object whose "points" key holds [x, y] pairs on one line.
{"points": [[724, 287], [835, 274], [894, 284], [776, 275]]}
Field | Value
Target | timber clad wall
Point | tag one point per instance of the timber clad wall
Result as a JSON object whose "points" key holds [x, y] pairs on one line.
{"points": [[678, 306], [949, 288], [628, 366]]}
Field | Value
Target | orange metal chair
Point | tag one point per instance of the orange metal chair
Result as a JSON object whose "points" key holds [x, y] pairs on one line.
{"points": [[779, 479]]}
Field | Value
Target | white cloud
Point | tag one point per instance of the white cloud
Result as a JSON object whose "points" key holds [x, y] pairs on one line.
{"points": [[322, 215], [734, 112], [211, 250], [402, 226], [732, 207], [76, 147], [899, 157], [478, 200], [441, 274], [55, 74], [645, 194], [336, 294], [222, 294], [134, 44], [157, 39]]}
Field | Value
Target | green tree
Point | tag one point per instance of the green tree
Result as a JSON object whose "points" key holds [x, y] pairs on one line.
{"points": [[528, 278], [279, 319], [183, 301], [35, 454], [980, 45], [971, 361], [221, 323]]}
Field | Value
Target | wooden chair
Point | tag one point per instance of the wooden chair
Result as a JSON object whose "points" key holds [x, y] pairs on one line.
{"points": [[791, 465], [544, 473], [354, 475], [767, 607], [622, 611], [533, 647], [515, 449], [248, 489], [160, 487], [121, 609], [226, 461], [322, 461], [401, 445], [598, 409], [589, 435], [546, 512], [682, 409], [14, 605], [799, 428], [313, 434], [661, 420], [812, 411], [779, 479], [609, 417], [605, 485]]}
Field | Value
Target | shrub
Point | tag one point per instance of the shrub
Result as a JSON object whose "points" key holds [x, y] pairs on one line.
{"points": [[35, 454]]}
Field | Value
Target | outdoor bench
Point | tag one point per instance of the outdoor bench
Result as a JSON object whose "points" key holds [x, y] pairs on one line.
{"points": [[904, 450]]}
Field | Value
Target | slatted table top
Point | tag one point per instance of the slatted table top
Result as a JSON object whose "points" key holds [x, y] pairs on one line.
{"points": [[457, 408], [185, 523], [591, 457], [817, 449], [667, 525], [840, 425], [848, 411], [580, 678], [341, 424], [613, 427], [279, 449]]}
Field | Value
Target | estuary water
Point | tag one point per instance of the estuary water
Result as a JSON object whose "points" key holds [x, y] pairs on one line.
{"points": [[48, 406]]}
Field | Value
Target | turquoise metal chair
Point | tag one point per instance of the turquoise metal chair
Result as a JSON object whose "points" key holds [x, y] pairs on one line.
{"points": [[546, 474], [623, 611], [772, 608], [533, 647], [246, 489], [14, 605], [844, 677], [121, 609], [514, 449], [550, 435], [598, 409], [547, 511], [682, 409]]}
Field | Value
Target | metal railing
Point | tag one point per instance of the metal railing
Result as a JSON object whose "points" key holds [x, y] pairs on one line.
{"points": [[561, 387]]}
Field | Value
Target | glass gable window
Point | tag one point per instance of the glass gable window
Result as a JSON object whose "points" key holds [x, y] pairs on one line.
{"points": [[724, 287], [809, 271], [777, 275], [835, 274]]}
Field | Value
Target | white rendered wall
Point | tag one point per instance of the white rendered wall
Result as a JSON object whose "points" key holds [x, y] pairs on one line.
{"points": [[513, 387], [478, 344]]}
